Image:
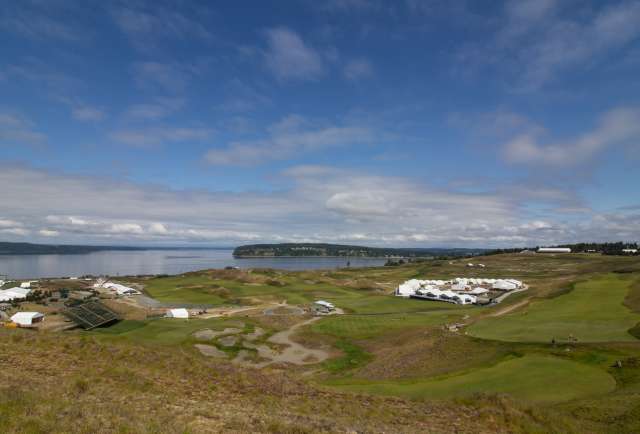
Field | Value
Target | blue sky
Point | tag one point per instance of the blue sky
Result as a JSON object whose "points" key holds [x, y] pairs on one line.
{"points": [[404, 123]]}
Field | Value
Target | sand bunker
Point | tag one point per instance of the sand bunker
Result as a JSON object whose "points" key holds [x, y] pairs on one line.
{"points": [[210, 351], [294, 352], [254, 335], [228, 341]]}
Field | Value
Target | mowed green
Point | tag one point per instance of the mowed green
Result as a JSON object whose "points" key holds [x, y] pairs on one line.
{"points": [[534, 378], [592, 312], [370, 326], [162, 331]]}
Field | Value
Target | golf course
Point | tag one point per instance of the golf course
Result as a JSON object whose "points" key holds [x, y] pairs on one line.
{"points": [[566, 345]]}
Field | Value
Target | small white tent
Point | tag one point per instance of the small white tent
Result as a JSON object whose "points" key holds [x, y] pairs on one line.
{"points": [[26, 319], [178, 313], [479, 291], [503, 285]]}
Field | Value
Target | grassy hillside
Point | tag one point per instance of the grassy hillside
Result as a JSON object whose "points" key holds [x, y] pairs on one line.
{"points": [[409, 373], [592, 312], [531, 378]]}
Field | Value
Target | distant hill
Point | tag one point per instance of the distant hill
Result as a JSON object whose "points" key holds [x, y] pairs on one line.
{"points": [[7, 248], [339, 250]]}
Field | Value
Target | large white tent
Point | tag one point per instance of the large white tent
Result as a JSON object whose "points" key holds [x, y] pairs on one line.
{"points": [[27, 319], [479, 291], [14, 294]]}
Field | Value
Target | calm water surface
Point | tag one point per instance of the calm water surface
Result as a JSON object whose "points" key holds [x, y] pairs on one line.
{"points": [[114, 263]]}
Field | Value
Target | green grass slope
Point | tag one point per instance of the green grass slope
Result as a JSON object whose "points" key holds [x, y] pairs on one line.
{"points": [[592, 312], [533, 378]]}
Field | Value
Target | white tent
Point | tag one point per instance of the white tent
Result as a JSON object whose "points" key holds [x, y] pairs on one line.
{"points": [[26, 284], [26, 319], [479, 291], [14, 294], [120, 289], [459, 287], [464, 299], [503, 285], [447, 295], [325, 304], [178, 313], [515, 282], [408, 288]]}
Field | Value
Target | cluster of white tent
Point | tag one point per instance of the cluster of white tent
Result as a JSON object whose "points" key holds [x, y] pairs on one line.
{"points": [[14, 294], [117, 288], [461, 290]]}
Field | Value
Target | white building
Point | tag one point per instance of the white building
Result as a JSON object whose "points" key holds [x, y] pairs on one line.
{"points": [[27, 319], [26, 284], [630, 251], [14, 294], [178, 313], [479, 291], [554, 250]]}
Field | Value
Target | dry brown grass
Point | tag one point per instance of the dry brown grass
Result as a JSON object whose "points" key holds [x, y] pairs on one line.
{"points": [[75, 384]]}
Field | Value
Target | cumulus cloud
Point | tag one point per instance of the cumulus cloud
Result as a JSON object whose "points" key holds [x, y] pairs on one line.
{"points": [[322, 204], [290, 136], [618, 127], [288, 57]]}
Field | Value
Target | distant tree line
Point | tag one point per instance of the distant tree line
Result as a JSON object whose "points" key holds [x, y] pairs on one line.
{"points": [[320, 249], [616, 248]]}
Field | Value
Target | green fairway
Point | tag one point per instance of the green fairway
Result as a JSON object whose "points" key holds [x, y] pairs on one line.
{"points": [[533, 378], [592, 312], [164, 331], [368, 326]]}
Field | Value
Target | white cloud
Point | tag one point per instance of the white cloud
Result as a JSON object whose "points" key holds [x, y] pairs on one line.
{"points": [[291, 136], [158, 109], [323, 204], [144, 138], [15, 231], [18, 130], [48, 233], [168, 77], [289, 57], [9, 223], [617, 127], [148, 28], [358, 68], [536, 41]]}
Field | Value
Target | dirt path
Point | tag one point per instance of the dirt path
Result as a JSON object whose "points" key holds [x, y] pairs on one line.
{"points": [[511, 308]]}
